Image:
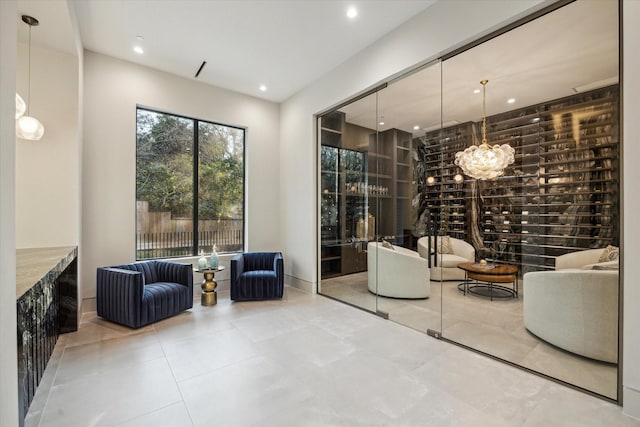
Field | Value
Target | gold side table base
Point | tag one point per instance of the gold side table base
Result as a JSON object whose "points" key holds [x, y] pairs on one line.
{"points": [[209, 295], [209, 298]]}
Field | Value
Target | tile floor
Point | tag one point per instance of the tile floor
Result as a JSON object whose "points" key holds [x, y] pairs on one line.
{"points": [[494, 327], [303, 361]]}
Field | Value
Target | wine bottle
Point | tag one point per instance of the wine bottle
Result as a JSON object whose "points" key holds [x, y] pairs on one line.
{"points": [[214, 258], [202, 262]]}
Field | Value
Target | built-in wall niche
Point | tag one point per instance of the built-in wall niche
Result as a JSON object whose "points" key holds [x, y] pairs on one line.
{"points": [[560, 195]]}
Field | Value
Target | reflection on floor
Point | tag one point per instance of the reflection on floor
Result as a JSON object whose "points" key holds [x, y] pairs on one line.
{"points": [[494, 327]]}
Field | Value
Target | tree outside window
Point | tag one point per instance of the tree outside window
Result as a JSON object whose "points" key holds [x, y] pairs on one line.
{"points": [[189, 186]]}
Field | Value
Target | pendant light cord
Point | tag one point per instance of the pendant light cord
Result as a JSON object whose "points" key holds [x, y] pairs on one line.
{"points": [[29, 88], [484, 110]]}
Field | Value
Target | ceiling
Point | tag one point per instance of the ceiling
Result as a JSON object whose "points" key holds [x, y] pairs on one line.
{"points": [[287, 44], [575, 47], [55, 30], [284, 45]]}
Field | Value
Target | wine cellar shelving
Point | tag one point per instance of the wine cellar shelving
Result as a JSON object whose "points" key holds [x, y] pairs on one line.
{"points": [[390, 166], [444, 201], [343, 199], [560, 195]]}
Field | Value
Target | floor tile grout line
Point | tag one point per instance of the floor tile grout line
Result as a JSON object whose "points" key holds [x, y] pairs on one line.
{"points": [[104, 371], [65, 347], [156, 410], [224, 366], [173, 374], [53, 381]]}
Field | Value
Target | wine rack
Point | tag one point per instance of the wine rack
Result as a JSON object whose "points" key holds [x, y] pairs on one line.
{"points": [[560, 195], [443, 201]]}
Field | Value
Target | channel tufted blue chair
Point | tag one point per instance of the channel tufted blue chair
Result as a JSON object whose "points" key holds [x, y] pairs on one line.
{"points": [[257, 275], [140, 293]]}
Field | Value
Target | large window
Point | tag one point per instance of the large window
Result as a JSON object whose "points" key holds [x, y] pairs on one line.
{"points": [[189, 186]]}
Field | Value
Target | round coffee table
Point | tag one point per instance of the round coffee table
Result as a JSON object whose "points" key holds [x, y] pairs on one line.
{"points": [[481, 280]]}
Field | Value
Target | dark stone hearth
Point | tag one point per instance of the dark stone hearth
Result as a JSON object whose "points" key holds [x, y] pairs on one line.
{"points": [[47, 305]]}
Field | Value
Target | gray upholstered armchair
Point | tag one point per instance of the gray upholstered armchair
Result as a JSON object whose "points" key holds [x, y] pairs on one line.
{"points": [[257, 275], [137, 294]]}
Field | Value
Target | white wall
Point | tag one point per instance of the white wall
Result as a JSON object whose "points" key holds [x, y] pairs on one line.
{"points": [[112, 88], [439, 28], [8, 342], [631, 207], [47, 194], [73, 22]]}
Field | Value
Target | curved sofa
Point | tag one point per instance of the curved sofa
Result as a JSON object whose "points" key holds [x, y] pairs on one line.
{"points": [[576, 306], [397, 272], [447, 268]]}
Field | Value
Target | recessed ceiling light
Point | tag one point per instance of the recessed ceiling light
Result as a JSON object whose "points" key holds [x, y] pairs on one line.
{"points": [[476, 91], [381, 123], [263, 88], [138, 49], [416, 127], [511, 100], [352, 12]]}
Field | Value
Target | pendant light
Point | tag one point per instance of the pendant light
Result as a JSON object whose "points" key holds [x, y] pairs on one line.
{"points": [[485, 161], [21, 107], [28, 127]]}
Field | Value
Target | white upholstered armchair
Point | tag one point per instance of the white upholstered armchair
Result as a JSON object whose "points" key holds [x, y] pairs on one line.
{"points": [[398, 272], [575, 307], [447, 268]]}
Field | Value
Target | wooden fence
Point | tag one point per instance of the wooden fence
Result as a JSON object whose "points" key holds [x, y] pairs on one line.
{"points": [[227, 235], [162, 236]]}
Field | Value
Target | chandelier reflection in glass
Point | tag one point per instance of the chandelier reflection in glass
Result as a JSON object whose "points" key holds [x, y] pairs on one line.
{"points": [[485, 161]]}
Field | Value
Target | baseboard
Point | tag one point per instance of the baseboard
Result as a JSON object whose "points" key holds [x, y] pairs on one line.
{"points": [[303, 285], [631, 402], [88, 305]]}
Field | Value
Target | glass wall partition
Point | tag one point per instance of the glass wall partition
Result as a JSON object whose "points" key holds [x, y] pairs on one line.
{"points": [[543, 290], [371, 215], [408, 108], [522, 266], [348, 201]]}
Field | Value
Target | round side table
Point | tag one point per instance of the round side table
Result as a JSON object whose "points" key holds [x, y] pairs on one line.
{"points": [[209, 295]]}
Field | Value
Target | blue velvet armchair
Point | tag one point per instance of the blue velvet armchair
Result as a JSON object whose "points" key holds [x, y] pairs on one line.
{"points": [[137, 294], [257, 275]]}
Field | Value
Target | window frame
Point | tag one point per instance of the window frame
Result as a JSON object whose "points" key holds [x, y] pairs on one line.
{"points": [[195, 158]]}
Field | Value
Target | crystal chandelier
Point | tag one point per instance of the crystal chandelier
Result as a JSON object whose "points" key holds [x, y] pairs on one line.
{"points": [[484, 161]]}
